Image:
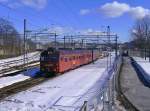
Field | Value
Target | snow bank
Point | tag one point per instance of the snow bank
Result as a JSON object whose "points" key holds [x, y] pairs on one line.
{"points": [[6, 81], [144, 64]]}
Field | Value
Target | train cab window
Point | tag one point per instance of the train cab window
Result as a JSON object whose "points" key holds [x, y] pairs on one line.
{"points": [[42, 58]]}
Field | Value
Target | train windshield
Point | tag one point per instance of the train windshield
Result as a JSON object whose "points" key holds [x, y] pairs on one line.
{"points": [[49, 57]]}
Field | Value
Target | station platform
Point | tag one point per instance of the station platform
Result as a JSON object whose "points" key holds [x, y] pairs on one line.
{"points": [[135, 91]]}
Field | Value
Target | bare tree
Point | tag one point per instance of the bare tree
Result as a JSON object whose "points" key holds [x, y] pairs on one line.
{"points": [[10, 39], [141, 36], [141, 33]]}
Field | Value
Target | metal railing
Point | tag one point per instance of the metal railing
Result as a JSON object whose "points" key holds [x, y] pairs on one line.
{"points": [[104, 99], [99, 97]]}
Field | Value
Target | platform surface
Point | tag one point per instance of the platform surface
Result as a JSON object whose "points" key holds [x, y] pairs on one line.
{"points": [[133, 88]]}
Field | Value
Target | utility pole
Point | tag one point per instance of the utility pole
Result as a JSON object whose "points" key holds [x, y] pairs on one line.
{"points": [[55, 39], [64, 41], [82, 43], [24, 42], [74, 44], [97, 41], [116, 41], [71, 41], [36, 42], [147, 42], [108, 34]]}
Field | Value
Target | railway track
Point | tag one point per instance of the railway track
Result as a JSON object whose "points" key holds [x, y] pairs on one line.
{"points": [[19, 64], [20, 86], [17, 69], [121, 96]]}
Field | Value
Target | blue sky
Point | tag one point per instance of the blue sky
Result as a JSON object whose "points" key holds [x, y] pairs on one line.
{"points": [[76, 15]]}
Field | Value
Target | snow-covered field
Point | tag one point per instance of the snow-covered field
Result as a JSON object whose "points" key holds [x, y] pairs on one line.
{"points": [[65, 92], [17, 61], [6, 81], [145, 64]]}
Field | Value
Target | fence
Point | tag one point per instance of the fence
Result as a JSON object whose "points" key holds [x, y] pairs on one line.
{"points": [[99, 97], [144, 53], [103, 98]]}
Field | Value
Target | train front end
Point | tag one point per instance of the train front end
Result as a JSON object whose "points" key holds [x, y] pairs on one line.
{"points": [[49, 62]]}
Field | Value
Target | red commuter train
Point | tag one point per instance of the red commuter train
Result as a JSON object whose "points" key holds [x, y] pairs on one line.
{"points": [[54, 61]]}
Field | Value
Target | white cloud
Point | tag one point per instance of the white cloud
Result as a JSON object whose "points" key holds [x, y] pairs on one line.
{"points": [[61, 30], [114, 9], [139, 12], [38, 4], [90, 31], [84, 11], [69, 30]]}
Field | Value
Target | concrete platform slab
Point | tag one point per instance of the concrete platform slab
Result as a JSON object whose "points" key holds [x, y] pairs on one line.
{"points": [[133, 88]]}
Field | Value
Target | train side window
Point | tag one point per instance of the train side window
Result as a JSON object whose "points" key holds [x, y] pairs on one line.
{"points": [[70, 59], [65, 59], [76, 57], [61, 58]]}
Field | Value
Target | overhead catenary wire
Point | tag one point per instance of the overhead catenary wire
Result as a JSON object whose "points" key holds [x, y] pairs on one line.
{"points": [[70, 19], [26, 15], [15, 11]]}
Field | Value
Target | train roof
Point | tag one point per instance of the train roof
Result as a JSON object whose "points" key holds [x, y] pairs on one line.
{"points": [[64, 51]]}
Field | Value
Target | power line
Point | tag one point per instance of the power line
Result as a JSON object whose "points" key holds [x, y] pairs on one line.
{"points": [[5, 6], [45, 17]]}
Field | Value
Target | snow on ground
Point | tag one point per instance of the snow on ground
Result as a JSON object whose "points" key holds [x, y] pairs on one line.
{"points": [[6, 81], [62, 91], [145, 64], [16, 61], [19, 57]]}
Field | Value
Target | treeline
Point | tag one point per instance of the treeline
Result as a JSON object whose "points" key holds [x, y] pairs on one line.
{"points": [[140, 38], [141, 34], [11, 42]]}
